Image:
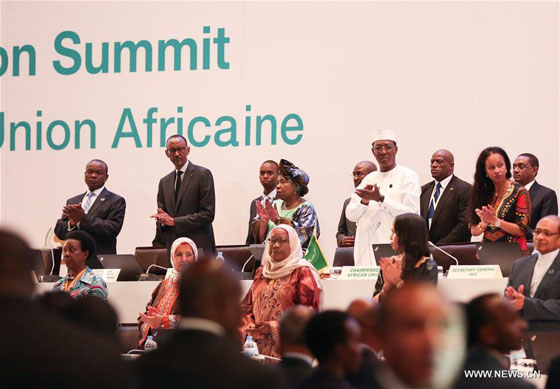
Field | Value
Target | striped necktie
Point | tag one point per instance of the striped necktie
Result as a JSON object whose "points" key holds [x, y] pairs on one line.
{"points": [[432, 208], [89, 199]]}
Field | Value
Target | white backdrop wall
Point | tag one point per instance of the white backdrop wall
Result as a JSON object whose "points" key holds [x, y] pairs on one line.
{"points": [[457, 75]]}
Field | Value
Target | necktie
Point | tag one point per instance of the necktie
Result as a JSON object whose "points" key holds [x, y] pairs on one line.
{"points": [[87, 205], [177, 182], [434, 201]]}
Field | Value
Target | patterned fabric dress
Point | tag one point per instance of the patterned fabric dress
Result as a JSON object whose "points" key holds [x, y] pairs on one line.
{"points": [[164, 299], [267, 300], [303, 217], [514, 207], [87, 285]]}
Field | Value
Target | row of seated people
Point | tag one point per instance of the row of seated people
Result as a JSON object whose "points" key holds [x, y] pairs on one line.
{"points": [[376, 344], [495, 206]]}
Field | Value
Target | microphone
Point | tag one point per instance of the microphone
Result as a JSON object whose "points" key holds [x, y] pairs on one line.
{"points": [[52, 257], [154, 265], [246, 262], [445, 252]]}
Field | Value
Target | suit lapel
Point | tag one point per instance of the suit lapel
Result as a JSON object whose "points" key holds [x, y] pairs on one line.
{"points": [[169, 191], [100, 200], [549, 276], [447, 193], [184, 184], [426, 200], [528, 275]]}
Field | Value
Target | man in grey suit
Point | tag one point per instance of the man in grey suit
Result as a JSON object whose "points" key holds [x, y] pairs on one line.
{"points": [[98, 211], [534, 283], [186, 199], [444, 201], [346, 228], [543, 199]]}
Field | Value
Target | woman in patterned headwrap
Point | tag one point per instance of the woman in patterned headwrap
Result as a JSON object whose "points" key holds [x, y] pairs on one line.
{"points": [[290, 208], [161, 309]]}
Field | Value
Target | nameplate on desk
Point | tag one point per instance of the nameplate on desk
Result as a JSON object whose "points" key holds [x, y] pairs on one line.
{"points": [[359, 272], [473, 272], [108, 275]]}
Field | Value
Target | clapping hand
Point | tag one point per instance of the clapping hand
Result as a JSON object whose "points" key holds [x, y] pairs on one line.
{"points": [[74, 212], [370, 193], [153, 317], [163, 217], [487, 214], [516, 296], [391, 271]]}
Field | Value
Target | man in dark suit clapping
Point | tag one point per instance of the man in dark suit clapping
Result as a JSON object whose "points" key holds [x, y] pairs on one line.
{"points": [[543, 199], [186, 199], [98, 211], [444, 201]]}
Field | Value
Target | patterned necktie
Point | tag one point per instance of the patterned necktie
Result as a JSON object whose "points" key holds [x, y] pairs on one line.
{"points": [[432, 208], [177, 183], [87, 205]]}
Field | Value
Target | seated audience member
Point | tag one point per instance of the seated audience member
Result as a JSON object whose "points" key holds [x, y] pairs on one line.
{"points": [[534, 281], [40, 349], [297, 360], [161, 310], [412, 326], [80, 280], [444, 202], [285, 279], [365, 312], [414, 262], [290, 208], [205, 351], [499, 208], [347, 229], [334, 339], [543, 199], [494, 330], [268, 176], [98, 212]]}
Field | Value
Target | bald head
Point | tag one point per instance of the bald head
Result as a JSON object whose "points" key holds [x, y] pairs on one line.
{"points": [[208, 290], [15, 266], [361, 170], [442, 164]]}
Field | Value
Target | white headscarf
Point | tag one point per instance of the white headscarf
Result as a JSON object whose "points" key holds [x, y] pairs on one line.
{"points": [[278, 269], [175, 246]]}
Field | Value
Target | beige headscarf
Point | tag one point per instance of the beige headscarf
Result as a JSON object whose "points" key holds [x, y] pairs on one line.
{"points": [[278, 269], [175, 245]]}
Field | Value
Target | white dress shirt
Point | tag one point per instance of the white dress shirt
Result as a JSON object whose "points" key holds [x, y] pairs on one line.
{"points": [[541, 267], [200, 324]]}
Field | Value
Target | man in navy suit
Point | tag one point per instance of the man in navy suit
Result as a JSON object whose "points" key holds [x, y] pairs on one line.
{"points": [[98, 211], [186, 200], [534, 283], [543, 199], [444, 201]]}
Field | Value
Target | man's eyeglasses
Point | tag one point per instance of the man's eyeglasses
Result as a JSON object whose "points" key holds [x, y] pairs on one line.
{"points": [[178, 149], [546, 234]]}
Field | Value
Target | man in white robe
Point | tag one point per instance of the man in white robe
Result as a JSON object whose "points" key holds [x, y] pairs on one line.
{"points": [[382, 195]]}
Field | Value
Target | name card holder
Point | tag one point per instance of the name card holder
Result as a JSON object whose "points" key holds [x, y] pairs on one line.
{"points": [[108, 275], [474, 272], [359, 273]]}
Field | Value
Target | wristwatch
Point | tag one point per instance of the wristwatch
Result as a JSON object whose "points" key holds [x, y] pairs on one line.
{"points": [[498, 223]]}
